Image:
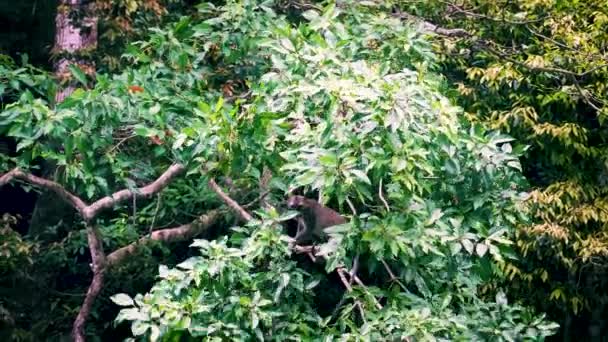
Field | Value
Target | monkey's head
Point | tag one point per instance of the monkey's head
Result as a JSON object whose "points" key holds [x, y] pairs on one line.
{"points": [[295, 202]]}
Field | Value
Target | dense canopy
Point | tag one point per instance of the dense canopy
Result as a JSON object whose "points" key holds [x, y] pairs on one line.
{"points": [[175, 148]]}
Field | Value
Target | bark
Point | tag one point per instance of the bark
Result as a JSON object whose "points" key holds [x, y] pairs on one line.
{"points": [[242, 213], [72, 37], [75, 32], [180, 233], [99, 268]]}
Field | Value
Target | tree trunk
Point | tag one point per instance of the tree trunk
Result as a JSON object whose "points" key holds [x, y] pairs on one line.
{"points": [[72, 38], [75, 39]]}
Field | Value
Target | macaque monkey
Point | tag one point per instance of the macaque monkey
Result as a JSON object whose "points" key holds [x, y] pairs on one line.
{"points": [[315, 218]]}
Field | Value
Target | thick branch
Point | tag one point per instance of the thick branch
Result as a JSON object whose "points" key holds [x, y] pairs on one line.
{"points": [[109, 201], [57, 188], [89, 212], [180, 233], [99, 268]]}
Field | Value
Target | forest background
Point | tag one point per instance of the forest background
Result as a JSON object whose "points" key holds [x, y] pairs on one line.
{"points": [[222, 100]]}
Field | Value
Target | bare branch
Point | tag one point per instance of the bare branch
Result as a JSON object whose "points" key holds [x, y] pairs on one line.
{"points": [[109, 201], [99, 268], [155, 213], [392, 275], [584, 95], [353, 273], [180, 233], [242, 213], [260, 198], [388, 209], [57, 188], [352, 207], [562, 45], [264, 180], [472, 14], [89, 212], [349, 288]]}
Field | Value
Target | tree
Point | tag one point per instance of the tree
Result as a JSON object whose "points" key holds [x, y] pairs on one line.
{"points": [[537, 69], [239, 106]]}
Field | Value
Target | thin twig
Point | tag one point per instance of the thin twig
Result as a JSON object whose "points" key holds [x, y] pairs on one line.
{"points": [[560, 44], [120, 143], [349, 288], [388, 209], [353, 272], [242, 213], [392, 275], [584, 95], [155, 213], [472, 14], [352, 207], [258, 199], [134, 214]]}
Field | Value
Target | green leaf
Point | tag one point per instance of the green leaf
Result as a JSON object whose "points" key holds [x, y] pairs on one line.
{"points": [[468, 245], [154, 333], [481, 249], [139, 328], [361, 176], [310, 15], [155, 109], [122, 299], [452, 166], [455, 248], [78, 74]]}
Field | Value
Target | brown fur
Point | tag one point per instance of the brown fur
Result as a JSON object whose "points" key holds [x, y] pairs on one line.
{"points": [[315, 218]]}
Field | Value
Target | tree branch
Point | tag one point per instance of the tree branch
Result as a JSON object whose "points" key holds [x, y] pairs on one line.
{"points": [[88, 213], [472, 14], [109, 201], [98, 265], [57, 188], [485, 45], [242, 213], [180, 233], [432, 28], [349, 288], [392, 275]]}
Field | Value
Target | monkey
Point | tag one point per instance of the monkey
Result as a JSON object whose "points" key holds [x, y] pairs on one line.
{"points": [[315, 218]]}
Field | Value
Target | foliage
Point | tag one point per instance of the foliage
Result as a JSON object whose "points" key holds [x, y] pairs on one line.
{"points": [[537, 69], [14, 79], [332, 115], [14, 250], [341, 103], [125, 20]]}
